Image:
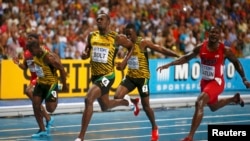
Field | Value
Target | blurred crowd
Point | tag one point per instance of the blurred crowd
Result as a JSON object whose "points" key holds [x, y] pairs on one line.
{"points": [[180, 25]]}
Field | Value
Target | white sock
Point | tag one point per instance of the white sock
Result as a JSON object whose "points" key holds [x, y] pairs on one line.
{"points": [[127, 97]]}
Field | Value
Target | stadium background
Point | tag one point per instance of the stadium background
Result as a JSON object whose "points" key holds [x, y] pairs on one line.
{"points": [[65, 24]]}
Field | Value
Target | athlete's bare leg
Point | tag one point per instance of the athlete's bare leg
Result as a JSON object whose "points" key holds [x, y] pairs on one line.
{"points": [[93, 93], [37, 102], [198, 114], [29, 93], [121, 92], [106, 103], [149, 111], [225, 101]]}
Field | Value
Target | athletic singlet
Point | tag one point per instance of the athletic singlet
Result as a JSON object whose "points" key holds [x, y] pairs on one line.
{"points": [[46, 73], [138, 62], [212, 63], [102, 53]]}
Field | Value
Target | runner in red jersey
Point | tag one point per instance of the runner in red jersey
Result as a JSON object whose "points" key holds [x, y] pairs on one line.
{"points": [[212, 64], [212, 54], [28, 63]]}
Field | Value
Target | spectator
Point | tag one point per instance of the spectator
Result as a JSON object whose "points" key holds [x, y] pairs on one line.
{"points": [[60, 17], [13, 47], [2, 55], [246, 47], [190, 42], [59, 47]]}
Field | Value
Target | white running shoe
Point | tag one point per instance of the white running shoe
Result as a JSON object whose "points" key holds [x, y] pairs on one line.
{"points": [[130, 104], [78, 139]]}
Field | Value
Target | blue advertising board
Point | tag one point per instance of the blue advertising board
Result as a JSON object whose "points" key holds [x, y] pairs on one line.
{"points": [[185, 78]]}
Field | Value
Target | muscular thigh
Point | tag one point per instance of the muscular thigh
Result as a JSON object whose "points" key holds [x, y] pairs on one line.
{"points": [[47, 92]]}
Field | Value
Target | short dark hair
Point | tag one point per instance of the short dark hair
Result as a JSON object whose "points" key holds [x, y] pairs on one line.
{"points": [[130, 26], [32, 44], [34, 35]]}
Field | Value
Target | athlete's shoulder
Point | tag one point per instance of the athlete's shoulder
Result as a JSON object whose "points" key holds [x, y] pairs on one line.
{"points": [[114, 34], [94, 33]]}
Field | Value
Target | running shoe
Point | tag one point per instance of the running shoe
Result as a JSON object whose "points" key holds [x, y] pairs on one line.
{"points": [[239, 100], [187, 139], [136, 106], [154, 135], [40, 134], [49, 124], [78, 139]]}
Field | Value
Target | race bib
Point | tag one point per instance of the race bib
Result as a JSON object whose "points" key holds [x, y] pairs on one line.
{"points": [[145, 88], [54, 94], [105, 81], [39, 71], [133, 62], [31, 65], [100, 54], [208, 72]]}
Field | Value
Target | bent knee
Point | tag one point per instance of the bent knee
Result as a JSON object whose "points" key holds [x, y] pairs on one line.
{"points": [[212, 108], [104, 109], [199, 104], [50, 109], [118, 96], [36, 107], [88, 101]]}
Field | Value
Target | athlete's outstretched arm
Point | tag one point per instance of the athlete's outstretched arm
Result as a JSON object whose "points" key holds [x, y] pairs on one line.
{"points": [[239, 68], [149, 44], [183, 59]]}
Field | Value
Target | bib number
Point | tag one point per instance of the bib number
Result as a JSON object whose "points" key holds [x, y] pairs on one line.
{"points": [[105, 81], [145, 88], [133, 62], [100, 54], [39, 71], [208, 72]]}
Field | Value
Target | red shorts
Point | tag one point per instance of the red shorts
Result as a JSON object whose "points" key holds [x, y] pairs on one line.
{"points": [[213, 89]]}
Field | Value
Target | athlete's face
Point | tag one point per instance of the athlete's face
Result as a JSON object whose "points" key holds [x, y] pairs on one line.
{"points": [[33, 46], [214, 34], [102, 21], [131, 35]]}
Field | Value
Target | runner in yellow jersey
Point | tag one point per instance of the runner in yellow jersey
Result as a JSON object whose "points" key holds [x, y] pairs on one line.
{"points": [[138, 75], [46, 88], [101, 48]]}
